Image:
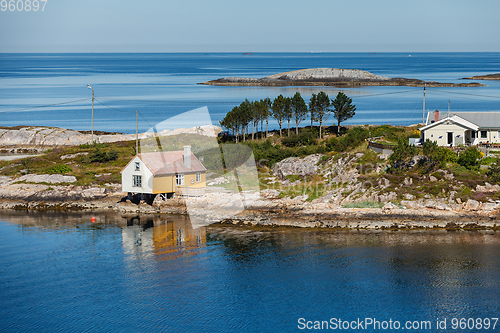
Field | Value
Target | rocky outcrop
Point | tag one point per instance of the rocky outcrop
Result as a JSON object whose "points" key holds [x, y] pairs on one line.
{"points": [[330, 77], [299, 166], [484, 77], [53, 136]]}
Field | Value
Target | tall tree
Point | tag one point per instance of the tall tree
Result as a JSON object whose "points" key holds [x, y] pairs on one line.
{"points": [[320, 103], [288, 112], [262, 109], [299, 108], [278, 110], [343, 109], [255, 117], [245, 115], [268, 113], [231, 121], [312, 109]]}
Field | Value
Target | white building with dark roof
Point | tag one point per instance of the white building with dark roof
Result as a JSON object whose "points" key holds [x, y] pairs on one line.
{"points": [[462, 128]]}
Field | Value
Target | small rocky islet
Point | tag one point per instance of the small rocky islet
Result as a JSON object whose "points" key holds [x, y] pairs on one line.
{"points": [[332, 77]]}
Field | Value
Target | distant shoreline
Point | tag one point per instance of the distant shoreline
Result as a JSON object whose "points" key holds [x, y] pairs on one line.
{"points": [[484, 77]]}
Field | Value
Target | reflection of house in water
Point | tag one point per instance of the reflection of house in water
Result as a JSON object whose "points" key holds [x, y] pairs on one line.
{"points": [[154, 235]]}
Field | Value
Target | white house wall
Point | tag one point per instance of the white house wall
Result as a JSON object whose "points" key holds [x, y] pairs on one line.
{"points": [[441, 130], [492, 136], [127, 179]]}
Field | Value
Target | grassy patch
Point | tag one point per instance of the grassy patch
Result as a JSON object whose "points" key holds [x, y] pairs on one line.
{"points": [[364, 204]]}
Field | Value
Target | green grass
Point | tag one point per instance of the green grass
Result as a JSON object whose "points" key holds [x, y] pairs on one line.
{"points": [[364, 204]]}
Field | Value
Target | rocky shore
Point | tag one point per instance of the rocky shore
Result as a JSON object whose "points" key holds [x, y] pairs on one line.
{"points": [[30, 139], [331, 77], [484, 77], [270, 207]]}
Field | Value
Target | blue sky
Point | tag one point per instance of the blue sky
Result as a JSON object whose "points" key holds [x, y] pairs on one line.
{"points": [[253, 26]]}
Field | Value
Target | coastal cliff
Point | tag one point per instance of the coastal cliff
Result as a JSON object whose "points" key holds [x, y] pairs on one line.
{"points": [[30, 136], [331, 77]]}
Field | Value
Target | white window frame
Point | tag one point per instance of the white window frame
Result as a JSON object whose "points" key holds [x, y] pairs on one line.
{"points": [[179, 179], [198, 177], [136, 180], [137, 166]]}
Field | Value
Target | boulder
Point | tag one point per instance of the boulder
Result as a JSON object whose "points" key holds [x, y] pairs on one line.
{"points": [[471, 205], [51, 179], [300, 166]]}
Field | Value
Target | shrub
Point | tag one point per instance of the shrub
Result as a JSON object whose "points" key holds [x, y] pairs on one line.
{"points": [[99, 156], [494, 171], [353, 138], [402, 154], [59, 169], [305, 138], [469, 158]]}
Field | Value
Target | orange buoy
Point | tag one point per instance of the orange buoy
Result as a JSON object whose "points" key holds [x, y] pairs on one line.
{"points": [[92, 219]]}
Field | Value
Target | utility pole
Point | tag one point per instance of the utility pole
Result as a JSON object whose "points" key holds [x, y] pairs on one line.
{"points": [[137, 132], [92, 126], [423, 116]]}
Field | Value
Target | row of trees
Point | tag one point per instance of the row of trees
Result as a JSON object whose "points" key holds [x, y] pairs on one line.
{"points": [[287, 109]]}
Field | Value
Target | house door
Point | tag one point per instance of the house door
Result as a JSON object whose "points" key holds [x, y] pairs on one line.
{"points": [[450, 138]]}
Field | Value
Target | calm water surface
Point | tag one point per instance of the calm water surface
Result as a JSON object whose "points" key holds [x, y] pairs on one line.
{"points": [[61, 273], [166, 84]]}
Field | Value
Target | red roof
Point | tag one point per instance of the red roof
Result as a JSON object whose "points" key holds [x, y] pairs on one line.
{"points": [[170, 162]]}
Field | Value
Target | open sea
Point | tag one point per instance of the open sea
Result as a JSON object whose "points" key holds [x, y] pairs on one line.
{"points": [[61, 273], [51, 89]]}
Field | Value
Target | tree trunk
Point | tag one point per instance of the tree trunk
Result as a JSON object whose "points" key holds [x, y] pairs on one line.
{"points": [[253, 130], [280, 129], [297, 128], [243, 134], [320, 123], [267, 125], [288, 127]]}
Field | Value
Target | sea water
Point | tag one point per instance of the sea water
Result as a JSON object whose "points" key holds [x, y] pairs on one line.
{"points": [[51, 89], [61, 273]]}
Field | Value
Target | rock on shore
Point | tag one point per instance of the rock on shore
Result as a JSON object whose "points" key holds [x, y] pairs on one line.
{"points": [[53, 136]]}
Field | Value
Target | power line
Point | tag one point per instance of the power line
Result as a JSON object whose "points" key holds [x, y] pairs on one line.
{"points": [[458, 93], [43, 106], [120, 110], [391, 93]]}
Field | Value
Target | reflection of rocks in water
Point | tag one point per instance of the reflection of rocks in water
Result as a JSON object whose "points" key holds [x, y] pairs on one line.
{"points": [[160, 235]]}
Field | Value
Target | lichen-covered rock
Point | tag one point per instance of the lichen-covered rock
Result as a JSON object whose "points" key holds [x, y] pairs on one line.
{"points": [[300, 166], [51, 179]]}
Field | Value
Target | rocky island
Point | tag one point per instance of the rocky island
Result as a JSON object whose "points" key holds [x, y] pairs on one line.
{"points": [[331, 77], [484, 77]]}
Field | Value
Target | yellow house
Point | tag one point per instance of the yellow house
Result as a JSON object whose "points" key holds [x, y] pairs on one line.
{"points": [[165, 173]]}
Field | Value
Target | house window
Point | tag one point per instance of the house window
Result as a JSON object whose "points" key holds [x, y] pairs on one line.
{"points": [[198, 177], [179, 180], [484, 134], [137, 180], [137, 166]]}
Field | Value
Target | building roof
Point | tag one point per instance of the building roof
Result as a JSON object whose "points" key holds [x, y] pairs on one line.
{"points": [[169, 162], [482, 119], [456, 119]]}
